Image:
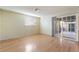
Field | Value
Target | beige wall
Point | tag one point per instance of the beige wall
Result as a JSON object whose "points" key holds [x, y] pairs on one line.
{"points": [[12, 25], [0, 25]]}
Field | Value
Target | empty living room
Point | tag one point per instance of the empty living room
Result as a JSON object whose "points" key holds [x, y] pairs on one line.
{"points": [[39, 29]]}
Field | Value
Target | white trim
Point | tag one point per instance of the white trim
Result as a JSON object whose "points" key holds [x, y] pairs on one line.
{"points": [[77, 27]]}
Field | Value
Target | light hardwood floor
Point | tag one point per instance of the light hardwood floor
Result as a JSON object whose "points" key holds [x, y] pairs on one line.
{"points": [[38, 43]]}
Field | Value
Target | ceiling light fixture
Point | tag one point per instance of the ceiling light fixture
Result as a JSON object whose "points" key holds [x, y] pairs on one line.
{"points": [[37, 10]]}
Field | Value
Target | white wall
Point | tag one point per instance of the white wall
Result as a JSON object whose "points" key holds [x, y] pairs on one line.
{"points": [[46, 25], [12, 25]]}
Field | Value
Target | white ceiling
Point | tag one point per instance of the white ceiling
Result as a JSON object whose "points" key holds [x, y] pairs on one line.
{"points": [[44, 10]]}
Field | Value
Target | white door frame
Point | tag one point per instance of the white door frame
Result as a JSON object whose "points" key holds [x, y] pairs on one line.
{"points": [[77, 26]]}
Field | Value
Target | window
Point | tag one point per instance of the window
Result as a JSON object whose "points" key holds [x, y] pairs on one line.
{"points": [[68, 19], [71, 27], [64, 19], [73, 18], [69, 23]]}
